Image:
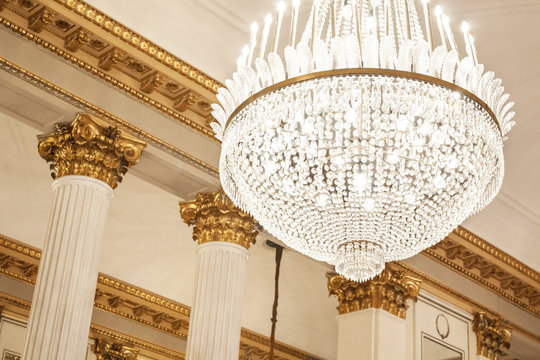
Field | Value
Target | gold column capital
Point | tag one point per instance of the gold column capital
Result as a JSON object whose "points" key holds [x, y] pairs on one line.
{"points": [[389, 291], [215, 218], [88, 148], [492, 336], [105, 350]]}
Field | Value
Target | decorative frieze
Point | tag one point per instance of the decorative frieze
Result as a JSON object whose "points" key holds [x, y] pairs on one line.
{"points": [[489, 267], [389, 291], [40, 19], [492, 336], [87, 148], [215, 218], [71, 26], [76, 40]]}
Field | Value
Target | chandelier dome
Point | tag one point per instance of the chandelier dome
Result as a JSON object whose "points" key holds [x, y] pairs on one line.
{"points": [[364, 145]]}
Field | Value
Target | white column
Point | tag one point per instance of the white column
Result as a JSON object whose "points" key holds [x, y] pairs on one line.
{"points": [[371, 334], [64, 294], [215, 321]]}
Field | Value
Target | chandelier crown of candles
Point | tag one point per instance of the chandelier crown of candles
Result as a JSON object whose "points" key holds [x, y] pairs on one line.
{"points": [[360, 142]]}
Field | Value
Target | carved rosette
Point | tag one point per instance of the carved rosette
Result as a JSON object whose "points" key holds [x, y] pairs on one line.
{"points": [[87, 148], [215, 218], [492, 336], [106, 350], [389, 291]]}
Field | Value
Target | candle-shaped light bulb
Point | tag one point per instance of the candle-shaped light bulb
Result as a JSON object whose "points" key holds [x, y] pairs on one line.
{"points": [[239, 62], [266, 32], [439, 14], [294, 22], [281, 11], [427, 20], [449, 33], [473, 48], [315, 18], [252, 41], [466, 28], [245, 54]]}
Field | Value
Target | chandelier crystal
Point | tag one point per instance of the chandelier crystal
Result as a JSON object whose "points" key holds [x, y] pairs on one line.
{"points": [[362, 143]]}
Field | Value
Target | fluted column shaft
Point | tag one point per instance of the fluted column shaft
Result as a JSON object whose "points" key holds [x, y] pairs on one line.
{"points": [[224, 234], [66, 283], [215, 323], [88, 160]]}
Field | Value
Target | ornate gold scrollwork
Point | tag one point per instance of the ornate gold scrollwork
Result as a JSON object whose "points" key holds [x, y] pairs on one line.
{"points": [[86, 148], [215, 218], [76, 40], [492, 336], [106, 350], [38, 21], [389, 291]]}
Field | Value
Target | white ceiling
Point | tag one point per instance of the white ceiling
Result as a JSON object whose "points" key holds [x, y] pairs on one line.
{"points": [[210, 33]]}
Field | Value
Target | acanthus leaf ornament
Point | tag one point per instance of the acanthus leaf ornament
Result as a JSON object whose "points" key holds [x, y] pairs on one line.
{"points": [[362, 144], [215, 218], [388, 291], [87, 148], [492, 336], [106, 350]]}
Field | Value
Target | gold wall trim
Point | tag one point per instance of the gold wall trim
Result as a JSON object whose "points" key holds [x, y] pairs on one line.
{"points": [[101, 332], [490, 267], [151, 75], [140, 43], [88, 107], [136, 304], [458, 299]]}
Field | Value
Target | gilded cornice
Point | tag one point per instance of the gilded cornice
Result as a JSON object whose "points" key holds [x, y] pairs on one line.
{"points": [[106, 49], [87, 107], [215, 218], [492, 336], [135, 304], [87, 148], [144, 347], [490, 267], [388, 291]]}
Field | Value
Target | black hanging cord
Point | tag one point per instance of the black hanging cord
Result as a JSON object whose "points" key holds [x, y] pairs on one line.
{"points": [[279, 254]]}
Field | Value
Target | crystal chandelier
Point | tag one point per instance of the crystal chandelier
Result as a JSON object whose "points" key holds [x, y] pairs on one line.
{"points": [[362, 143]]}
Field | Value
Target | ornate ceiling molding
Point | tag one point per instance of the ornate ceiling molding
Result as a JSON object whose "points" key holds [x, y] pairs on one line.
{"points": [[490, 267], [106, 49], [131, 302], [85, 106], [458, 299]]}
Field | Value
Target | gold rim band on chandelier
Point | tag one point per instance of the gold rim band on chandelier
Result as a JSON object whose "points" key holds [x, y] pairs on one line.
{"points": [[367, 71]]}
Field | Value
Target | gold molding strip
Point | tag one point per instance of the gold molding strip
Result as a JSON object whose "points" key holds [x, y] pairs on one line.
{"points": [[85, 106], [133, 303], [490, 267], [458, 299], [97, 55], [101, 332], [140, 43]]}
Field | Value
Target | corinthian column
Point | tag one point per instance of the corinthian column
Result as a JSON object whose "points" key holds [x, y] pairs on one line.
{"points": [[87, 162], [224, 234], [492, 336], [372, 323]]}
